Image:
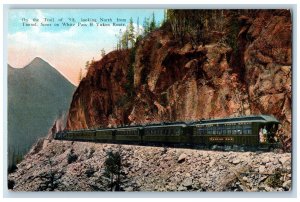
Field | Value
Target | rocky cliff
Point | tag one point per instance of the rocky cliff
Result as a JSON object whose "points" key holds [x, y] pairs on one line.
{"points": [[161, 79]]}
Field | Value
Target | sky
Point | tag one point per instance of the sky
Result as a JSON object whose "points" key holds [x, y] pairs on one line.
{"points": [[67, 48]]}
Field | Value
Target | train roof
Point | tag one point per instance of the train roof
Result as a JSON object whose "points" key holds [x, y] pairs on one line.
{"points": [[101, 129], [242, 119], [130, 127], [166, 125]]}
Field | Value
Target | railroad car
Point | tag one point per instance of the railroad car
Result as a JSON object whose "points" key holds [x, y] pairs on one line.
{"points": [[80, 135], [241, 132], [165, 134], [105, 135], [129, 135]]}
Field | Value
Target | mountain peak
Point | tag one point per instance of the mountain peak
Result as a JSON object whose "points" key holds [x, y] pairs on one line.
{"points": [[37, 61]]}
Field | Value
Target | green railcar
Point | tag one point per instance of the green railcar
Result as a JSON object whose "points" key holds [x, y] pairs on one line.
{"points": [[128, 135], [80, 135], [237, 131], [166, 134], [105, 135]]}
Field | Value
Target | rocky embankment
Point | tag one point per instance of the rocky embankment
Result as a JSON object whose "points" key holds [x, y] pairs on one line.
{"points": [[77, 166]]}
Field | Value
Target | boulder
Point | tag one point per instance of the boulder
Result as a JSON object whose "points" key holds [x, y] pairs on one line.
{"points": [[187, 182], [181, 188], [266, 159], [182, 158], [261, 169], [287, 184], [282, 160], [212, 162], [236, 161]]}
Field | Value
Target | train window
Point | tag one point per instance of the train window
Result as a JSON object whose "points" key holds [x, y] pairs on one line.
{"points": [[239, 129], [247, 129], [209, 131], [221, 130], [233, 130], [218, 130], [201, 131], [214, 129], [228, 130], [224, 131]]}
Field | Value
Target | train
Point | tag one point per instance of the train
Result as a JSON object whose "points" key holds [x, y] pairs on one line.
{"points": [[244, 133]]}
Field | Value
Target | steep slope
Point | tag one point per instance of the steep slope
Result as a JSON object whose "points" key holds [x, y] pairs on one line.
{"points": [[37, 95], [168, 81], [151, 169]]}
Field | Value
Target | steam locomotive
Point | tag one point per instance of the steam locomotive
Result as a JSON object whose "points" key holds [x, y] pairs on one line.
{"points": [[237, 133]]}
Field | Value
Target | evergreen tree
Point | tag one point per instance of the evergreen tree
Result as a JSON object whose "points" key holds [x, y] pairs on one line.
{"points": [[112, 170], [152, 23], [131, 35], [138, 27], [87, 65], [146, 26], [80, 75], [102, 53], [124, 39]]}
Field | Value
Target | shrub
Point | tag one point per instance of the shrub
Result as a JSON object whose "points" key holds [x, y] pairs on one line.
{"points": [[89, 171], [112, 170], [72, 157], [274, 180]]}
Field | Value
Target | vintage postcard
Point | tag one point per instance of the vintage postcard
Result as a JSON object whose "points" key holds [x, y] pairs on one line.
{"points": [[160, 100]]}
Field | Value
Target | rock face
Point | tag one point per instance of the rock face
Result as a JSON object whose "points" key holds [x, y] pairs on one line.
{"points": [[78, 166], [100, 94], [161, 80]]}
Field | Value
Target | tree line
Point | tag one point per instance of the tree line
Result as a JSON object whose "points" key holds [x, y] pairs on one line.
{"points": [[127, 39], [200, 25]]}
